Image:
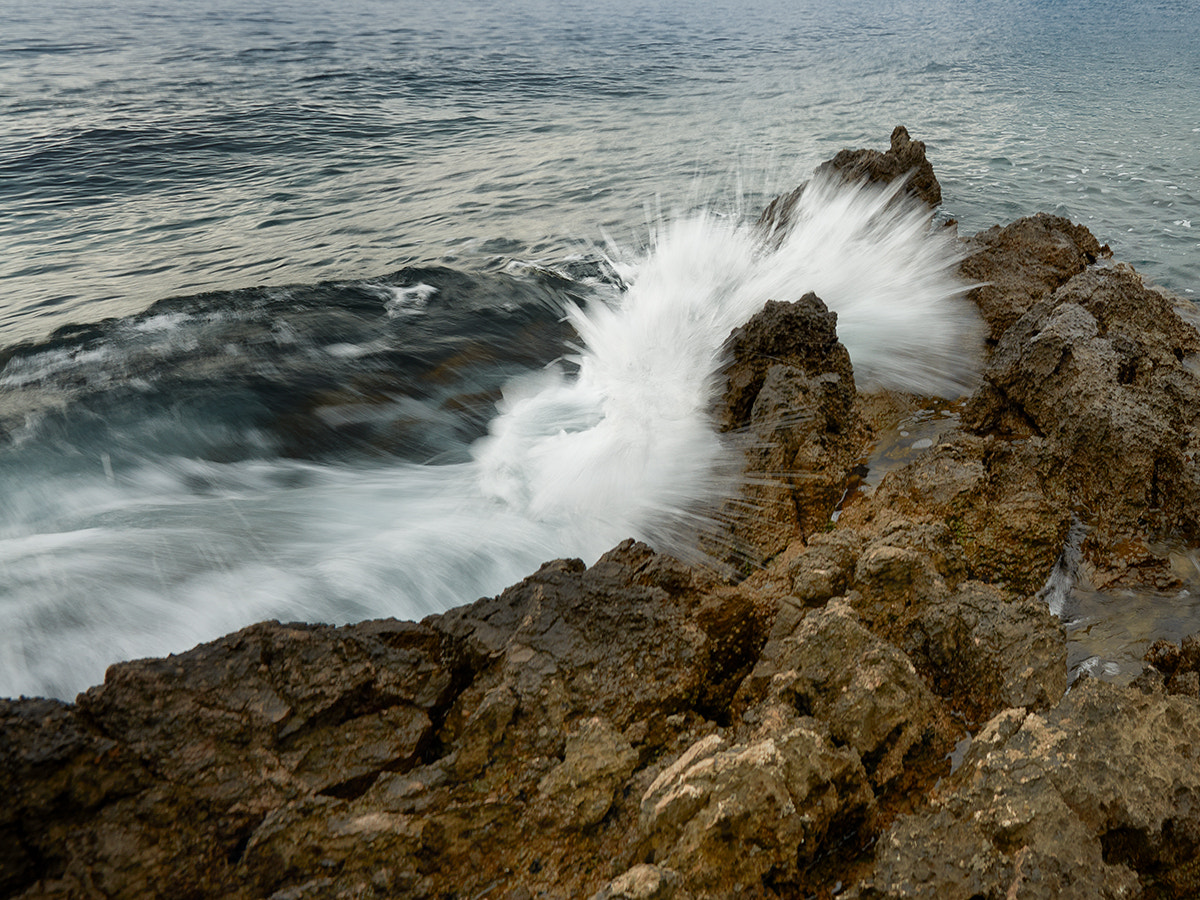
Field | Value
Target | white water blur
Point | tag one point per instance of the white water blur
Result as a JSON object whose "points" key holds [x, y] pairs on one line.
{"points": [[103, 566]]}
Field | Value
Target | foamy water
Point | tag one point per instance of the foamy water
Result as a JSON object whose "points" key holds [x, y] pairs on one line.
{"points": [[98, 565]]}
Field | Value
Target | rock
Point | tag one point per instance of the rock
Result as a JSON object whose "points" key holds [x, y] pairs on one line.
{"points": [[1019, 264], [877, 705], [999, 521], [724, 816], [211, 741], [643, 729], [791, 400], [826, 569], [571, 640], [1098, 381], [984, 652], [292, 698], [642, 882], [801, 334], [1173, 668], [54, 772], [1099, 798], [597, 760], [905, 159]]}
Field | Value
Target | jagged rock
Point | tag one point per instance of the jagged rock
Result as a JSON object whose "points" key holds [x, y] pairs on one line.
{"points": [[791, 397], [904, 159], [986, 652], [315, 708], [826, 569], [643, 882], [1018, 264], [1098, 380], [210, 741], [1173, 668], [1099, 798], [1000, 523], [878, 705], [639, 728], [596, 761], [725, 815]]}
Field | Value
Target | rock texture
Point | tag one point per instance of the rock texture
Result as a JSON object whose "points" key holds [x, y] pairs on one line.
{"points": [[904, 159], [1118, 356], [1014, 266], [790, 401], [878, 710], [1077, 803]]}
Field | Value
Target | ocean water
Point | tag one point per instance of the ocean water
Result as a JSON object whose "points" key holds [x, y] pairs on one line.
{"points": [[325, 312]]}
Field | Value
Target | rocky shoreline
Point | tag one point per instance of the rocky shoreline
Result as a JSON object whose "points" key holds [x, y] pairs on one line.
{"points": [[879, 710]]}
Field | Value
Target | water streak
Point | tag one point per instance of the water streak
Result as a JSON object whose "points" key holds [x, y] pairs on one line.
{"points": [[104, 563]]}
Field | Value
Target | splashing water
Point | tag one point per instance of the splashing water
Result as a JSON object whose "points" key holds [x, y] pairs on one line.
{"points": [[613, 443]]}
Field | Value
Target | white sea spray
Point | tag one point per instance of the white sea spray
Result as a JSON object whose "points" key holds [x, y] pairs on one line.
{"points": [[626, 444], [616, 441]]}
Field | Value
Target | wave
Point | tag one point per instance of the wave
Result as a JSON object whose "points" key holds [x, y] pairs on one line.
{"points": [[116, 556]]}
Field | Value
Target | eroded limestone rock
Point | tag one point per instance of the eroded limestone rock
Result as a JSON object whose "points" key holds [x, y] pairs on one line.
{"points": [[725, 815], [1078, 803]]}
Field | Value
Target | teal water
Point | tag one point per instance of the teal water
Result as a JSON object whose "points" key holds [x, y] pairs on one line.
{"points": [[150, 150]]}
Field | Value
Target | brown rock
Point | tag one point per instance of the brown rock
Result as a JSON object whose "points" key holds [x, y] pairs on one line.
{"points": [[724, 816], [865, 689], [1099, 376], [1094, 800], [643, 882], [596, 761], [1018, 264], [791, 400], [986, 653], [905, 159]]}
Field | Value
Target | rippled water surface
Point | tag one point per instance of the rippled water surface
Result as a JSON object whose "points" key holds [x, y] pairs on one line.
{"points": [[149, 149]]}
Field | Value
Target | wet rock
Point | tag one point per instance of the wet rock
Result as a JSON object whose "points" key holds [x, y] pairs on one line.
{"points": [[1097, 382], [577, 641], [1172, 668], [791, 402], [1099, 798], [292, 698], [1002, 523], [826, 568], [904, 159], [802, 335], [1019, 264], [55, 772], [986, 652], [211, 741]]}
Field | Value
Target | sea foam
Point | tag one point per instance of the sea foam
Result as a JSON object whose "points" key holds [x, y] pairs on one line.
{"points": [[614, 441], [626, 444]]}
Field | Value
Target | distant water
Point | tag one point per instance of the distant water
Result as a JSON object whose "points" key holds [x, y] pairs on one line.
{"points": [[308, 265]]}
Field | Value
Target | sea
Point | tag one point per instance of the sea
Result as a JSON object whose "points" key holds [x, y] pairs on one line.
{"points": [[322, 312]]}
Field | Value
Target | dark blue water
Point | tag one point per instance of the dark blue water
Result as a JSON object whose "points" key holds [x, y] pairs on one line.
{"points": [[327, 236]]}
